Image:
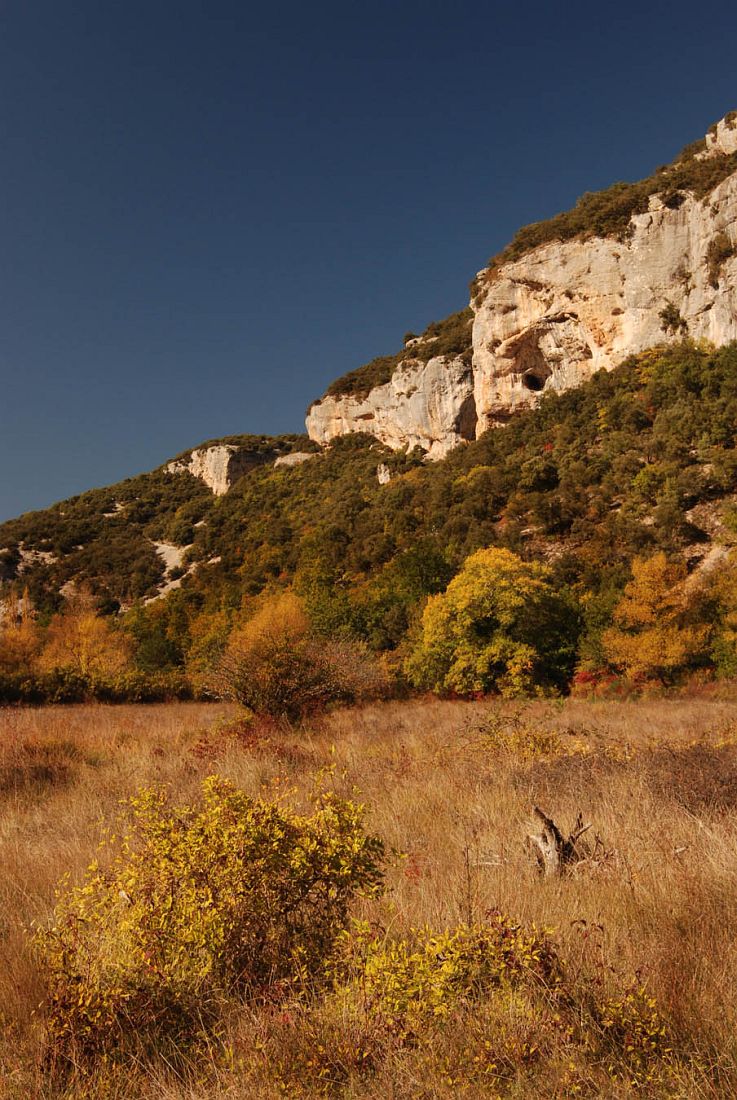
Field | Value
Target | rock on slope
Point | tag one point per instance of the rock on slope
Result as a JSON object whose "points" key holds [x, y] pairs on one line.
{"points": [[548, 319], [428, 405], [219, 466]]}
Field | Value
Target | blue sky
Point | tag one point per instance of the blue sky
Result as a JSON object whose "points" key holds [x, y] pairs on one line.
{"points": [[210, 210]]}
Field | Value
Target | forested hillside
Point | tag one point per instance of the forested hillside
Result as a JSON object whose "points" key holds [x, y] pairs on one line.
{"points": [[638, 466]]}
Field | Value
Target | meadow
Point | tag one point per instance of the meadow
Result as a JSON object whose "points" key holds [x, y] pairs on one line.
{"points": [[645, 923]]}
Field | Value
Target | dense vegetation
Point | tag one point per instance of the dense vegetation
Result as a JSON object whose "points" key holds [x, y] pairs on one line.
{"points": [[105, 537], [639, 462]]}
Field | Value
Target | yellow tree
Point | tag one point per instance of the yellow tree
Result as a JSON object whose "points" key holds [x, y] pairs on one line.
{"points": [[651, 636], [499, 625], [208, 634], [276, 666], [20, 639], [81, 641]]}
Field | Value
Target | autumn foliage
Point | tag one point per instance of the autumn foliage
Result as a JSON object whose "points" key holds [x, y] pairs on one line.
{"points": [[276, 666], [651, 636], [500, 625], [230, 896]]}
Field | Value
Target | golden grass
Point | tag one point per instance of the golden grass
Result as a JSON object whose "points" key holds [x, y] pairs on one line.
{"points": [[450, 787]]}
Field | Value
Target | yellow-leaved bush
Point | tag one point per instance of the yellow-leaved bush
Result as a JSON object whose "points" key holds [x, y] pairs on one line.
{"points": [[483, 1007], [276, 666], [500, 625], [430, 974], [233, 896]]}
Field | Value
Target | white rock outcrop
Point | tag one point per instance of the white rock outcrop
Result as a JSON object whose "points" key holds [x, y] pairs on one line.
{"points": [[427, 405], [296, 458], [219, 466], [722, 138], [172, 557], [549, 320]]}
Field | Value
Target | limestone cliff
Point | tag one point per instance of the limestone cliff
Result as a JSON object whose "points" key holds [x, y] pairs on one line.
{"points": [[427, 405], [547, 315], [551, 319], [218, 466]]}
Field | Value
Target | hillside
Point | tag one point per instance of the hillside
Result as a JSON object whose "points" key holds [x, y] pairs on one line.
{"points": [[638, 460], [109, 537], [611, 334]]}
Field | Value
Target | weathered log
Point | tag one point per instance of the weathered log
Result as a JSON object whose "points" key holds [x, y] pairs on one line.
{"points": [[554, 852]]}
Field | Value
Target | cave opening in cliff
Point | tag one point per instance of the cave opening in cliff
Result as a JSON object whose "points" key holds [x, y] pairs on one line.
{"points": [[534, 380], [467, 419], [530, 364]]}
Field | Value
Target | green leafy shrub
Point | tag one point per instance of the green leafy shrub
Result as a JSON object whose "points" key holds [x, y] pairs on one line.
{"points": [[233, 896], [63, 685], [671, 321]]}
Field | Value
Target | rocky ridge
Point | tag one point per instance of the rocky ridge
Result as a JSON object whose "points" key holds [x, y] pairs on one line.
{"points": [[220, 465], [550, 318], [425, 404]]}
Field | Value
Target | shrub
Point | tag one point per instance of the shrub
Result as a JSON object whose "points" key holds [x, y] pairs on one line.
{"points": [[233, 896], [426, 977], [719, 251], [277, 667], [671, 321]]}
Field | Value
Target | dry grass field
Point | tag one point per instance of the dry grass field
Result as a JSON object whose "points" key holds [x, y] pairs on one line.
{"points": [[450, 787]]}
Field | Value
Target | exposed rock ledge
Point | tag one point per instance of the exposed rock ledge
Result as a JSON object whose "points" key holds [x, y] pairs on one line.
{"points": [[428, 405], [219, 466], [552, 318]]}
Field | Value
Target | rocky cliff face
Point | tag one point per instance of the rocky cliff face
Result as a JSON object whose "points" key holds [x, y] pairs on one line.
{"points": [[219, 466], [551, 318], [554, 317], [427, 405]]}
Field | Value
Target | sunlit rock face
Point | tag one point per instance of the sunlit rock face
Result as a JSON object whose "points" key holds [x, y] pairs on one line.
{"points": [[427, 405], [550, 319], [722, 138], [219, 466]]}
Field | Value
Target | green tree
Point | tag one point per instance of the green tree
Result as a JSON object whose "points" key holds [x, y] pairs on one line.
{"points": [[500, 625]]}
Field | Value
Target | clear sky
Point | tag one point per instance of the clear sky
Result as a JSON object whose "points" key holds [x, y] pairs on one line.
{"points": [[211, 208]]}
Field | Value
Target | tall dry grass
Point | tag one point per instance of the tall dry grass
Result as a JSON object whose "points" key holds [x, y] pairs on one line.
{"points": [[450, 787]]}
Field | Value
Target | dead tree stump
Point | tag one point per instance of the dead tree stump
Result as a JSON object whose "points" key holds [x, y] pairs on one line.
{"points": [[554, 852]]}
